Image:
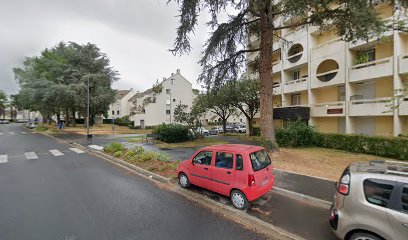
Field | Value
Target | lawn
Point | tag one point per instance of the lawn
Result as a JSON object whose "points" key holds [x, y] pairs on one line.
{"points": [[320, 162], [195, 143], [99, 129]]}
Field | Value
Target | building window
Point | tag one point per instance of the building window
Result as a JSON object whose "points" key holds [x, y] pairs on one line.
{"points": [[167, 91], [113, 112], [167, 112], [365, 56], [296, 74], [117, 112], [295, 99], [172, 81]]}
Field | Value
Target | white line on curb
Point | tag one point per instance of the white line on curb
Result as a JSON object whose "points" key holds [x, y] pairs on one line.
{"points": [[298, 196], [30, 155], [96, 147], [56, 153], [3, 158]]}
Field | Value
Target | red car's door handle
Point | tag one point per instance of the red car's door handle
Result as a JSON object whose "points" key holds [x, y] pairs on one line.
{"points": [[228, 172], [205, 168]]}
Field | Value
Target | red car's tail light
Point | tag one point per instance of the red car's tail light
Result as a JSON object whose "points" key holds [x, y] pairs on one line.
{"points": [[251, 180]]}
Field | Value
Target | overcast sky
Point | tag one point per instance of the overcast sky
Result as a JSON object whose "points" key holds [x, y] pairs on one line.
{"points": [[135, 34]]}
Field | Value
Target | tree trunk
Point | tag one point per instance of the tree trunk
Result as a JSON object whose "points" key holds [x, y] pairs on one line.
{"points": [[58, 117], [73, 118], [250, 126], [265, 78], [224, 125], [67, 117]]}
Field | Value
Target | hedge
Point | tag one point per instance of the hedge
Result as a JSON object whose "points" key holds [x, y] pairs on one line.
{"points": [[172, 133], [299, 134]]}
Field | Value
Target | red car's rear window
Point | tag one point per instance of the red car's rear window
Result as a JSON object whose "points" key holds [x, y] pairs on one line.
{"points": [[259, 160]]}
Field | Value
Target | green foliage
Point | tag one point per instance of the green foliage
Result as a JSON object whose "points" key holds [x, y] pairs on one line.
{"points": [[361, 58], [124, 121], [268, 145], [379, 146], [129, 154], [296, 134], [256, 131], [114, 147], [172, 133], [180, 113], [41, 128], [157, 88], [118, 154], [57, 80]]}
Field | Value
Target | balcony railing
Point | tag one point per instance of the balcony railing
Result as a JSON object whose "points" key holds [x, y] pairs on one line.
{"points": [[327, 76], [371, 107], [296, 85], [277, 89], [276, 66], [295, 57], [372, 70], [403, 107], [403, 64], [328, 109]]}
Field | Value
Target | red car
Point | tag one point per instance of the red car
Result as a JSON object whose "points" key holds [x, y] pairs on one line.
{"points": [[242, 172]]}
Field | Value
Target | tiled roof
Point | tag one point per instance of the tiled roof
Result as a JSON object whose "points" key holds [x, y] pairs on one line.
{"points": [[121, 93]]}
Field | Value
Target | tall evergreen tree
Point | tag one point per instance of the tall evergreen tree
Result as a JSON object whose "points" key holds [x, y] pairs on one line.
{"points": [[224, 55]]}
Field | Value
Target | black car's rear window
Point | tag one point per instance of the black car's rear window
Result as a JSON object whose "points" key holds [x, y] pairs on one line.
{"points": [[259, 160]]}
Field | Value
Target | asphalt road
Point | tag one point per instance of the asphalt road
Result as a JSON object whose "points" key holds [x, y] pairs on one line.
{"points": [[69, 196]]}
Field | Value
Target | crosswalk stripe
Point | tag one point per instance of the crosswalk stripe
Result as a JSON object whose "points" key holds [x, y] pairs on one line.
{"points": [[96, 147], [30, 155], [56, 153], [77, 150], [11, 133], [3, 158], [1, 133]]}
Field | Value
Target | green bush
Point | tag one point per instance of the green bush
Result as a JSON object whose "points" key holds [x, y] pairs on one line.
{"points": [[297, 134], [257, 131], [163, 157], [129, 154], [113, 148], [172, 133], [118, 154], [379, 146], [124, 121]]}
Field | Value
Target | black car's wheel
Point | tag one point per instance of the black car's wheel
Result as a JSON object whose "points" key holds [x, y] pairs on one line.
{"points": [[184, 181], [363, 236], [239, 200]]}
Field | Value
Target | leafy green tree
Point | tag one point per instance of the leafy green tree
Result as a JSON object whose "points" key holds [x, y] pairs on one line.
{"points": [[58, 80], [246, 99], [180, 113], [224, 55], [3, 103]]}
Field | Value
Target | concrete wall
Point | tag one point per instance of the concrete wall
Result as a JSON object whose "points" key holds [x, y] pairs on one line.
{"points": [[323, 95], [383, 88], [327, 125], [384, 126]]}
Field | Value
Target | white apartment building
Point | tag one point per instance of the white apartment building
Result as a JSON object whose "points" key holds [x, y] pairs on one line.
{"points": [[122, 105], [337, 86], [154, 108]]}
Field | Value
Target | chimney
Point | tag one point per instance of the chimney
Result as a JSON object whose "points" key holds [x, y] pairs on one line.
{"points": [[172, 74], [178, 71], [164, 79]]}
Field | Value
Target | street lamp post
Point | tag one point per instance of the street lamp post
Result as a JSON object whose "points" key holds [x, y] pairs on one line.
{"points": [[87, 118], [170, 106]]}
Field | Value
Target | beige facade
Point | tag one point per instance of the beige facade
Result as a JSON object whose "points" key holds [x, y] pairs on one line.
{"points": [[152, 108], [349, 87], [121, 107]]}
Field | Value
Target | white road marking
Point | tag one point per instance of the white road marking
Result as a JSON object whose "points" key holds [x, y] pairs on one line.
{"points": [[23, 132], [56, 153], [11, 133], [30, 155], [96, 147], [3, 158], [1, 133], [77, 150]]}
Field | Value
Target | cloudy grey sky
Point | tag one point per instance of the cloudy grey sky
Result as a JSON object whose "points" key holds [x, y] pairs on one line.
{"points": [[135, 34]]}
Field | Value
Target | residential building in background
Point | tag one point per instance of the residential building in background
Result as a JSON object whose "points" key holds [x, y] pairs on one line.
{"points": [[122, 106], [337, 86], [156, 105]]}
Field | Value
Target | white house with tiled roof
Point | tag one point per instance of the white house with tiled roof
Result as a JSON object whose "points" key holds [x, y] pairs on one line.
{"points": [[122, 105]]}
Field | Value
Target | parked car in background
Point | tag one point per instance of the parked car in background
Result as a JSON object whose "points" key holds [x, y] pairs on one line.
{"points": [[239, 129], [21, 121], [203, 131], [229, 128], [31, 125], [371, 202], [242, 172], [4, 121], [216, 130]]}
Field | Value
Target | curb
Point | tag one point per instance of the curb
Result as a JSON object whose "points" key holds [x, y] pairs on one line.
{"points": [[301, 197]]}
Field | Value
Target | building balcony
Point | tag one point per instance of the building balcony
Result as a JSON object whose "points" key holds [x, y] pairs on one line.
{"points": [[277, 89], [277, 66], [403, 64], [297, 85], [360, 43], [328, 109], [371, 70], [292, 113], [371, 107], [297, 52], [403, 107]]}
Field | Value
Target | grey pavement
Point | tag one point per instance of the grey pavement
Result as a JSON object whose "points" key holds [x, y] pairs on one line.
{"points": [[79, 196]]}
